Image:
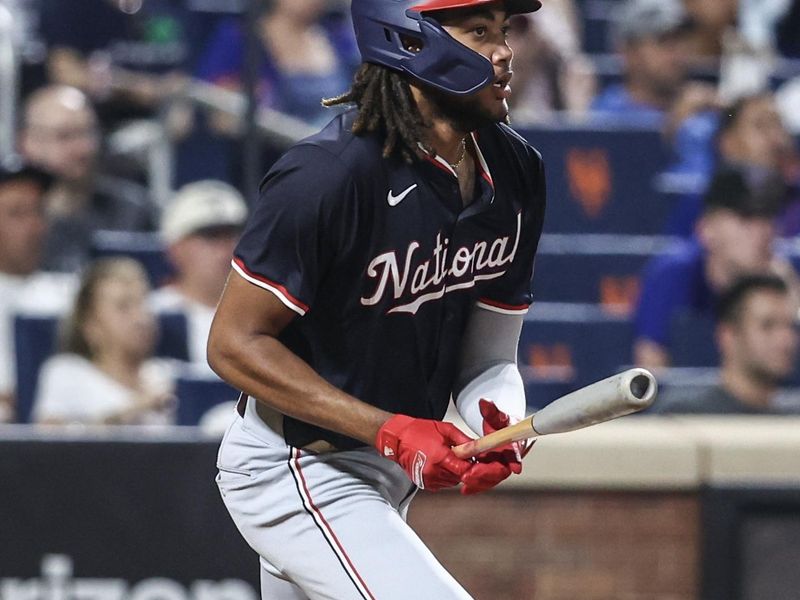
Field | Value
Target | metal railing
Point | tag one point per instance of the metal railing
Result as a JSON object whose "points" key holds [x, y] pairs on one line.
{"points": [[149, 139], [276, 127], [9, 67]]}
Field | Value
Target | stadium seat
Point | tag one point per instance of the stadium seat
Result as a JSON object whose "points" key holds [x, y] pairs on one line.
{"points": [[173, 338], [600, 180], [602, 269], [35, 339], [596, 20], [575, 343], [691, 340], [147, 248], [199, 392], [540, 392]]}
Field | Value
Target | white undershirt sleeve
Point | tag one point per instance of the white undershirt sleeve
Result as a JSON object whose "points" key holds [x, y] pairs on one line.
{"points": [[488, 367]]}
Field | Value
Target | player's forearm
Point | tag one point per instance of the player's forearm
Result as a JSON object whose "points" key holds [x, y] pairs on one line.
{"points": [[488, 368], [262, 367]]}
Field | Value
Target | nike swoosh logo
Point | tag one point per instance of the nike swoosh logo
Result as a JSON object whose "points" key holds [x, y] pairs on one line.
{"points": [[395, 200]]}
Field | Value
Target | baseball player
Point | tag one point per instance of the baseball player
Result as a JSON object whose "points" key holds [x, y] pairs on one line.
{"points": [[385, 268]]}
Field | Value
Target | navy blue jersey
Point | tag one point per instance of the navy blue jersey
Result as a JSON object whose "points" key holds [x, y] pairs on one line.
{"points": [[383, 264]]}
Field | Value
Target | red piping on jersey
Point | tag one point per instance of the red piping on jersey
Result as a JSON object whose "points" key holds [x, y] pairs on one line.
{"points": [[477, 162], [271, 283], [502, 305], [326, 524], [429, 158]]}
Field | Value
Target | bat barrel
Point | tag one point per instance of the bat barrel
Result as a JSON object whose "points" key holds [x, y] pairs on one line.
{"points": [[616, 396], [622, 394]]}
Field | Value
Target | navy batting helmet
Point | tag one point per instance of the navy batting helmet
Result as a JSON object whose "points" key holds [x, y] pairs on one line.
{"points": [[442, 62]]}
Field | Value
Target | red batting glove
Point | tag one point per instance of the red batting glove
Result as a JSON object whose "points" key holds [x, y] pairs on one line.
{"points": [[494, 466], [423, 448]]}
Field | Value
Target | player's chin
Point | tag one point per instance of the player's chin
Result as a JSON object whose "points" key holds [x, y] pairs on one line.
{"points": [[496, 108]]}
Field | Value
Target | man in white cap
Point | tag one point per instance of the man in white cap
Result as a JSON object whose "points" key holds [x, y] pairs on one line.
{"points": [[200, 228]]}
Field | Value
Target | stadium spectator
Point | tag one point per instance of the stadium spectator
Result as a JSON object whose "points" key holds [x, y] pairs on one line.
{"points": [[129, 56], [106, 373], [200, 228], [705, 36], [648, 37], [756, 334], [788, 42], [23, 286], [60, 134], [748, 134], [787, 97], [751, 133], [551, 74], [735, 236], [305, 57], [28, 43], [761, 23]]}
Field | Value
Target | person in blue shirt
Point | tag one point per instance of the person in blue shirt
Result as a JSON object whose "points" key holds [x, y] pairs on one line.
{"points": [[654, 67], [748, 134], [305, 54], [734, 236]]}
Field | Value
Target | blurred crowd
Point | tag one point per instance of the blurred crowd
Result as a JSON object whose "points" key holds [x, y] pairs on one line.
{"points": [[719, 79]]}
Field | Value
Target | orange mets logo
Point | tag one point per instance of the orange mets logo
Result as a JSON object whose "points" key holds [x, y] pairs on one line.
{"points": [[589, 175]]}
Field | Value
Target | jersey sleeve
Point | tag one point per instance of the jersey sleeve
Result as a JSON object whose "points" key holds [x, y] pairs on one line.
{"points": [[295, 230], [513, 292]]}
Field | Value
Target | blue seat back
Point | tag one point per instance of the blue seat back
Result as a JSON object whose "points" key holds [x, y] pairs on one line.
{"points": [[147, 248], [601, 179], [34, 341], [36, 338], [691, 340], [197, 394], [596, 21], [594, 269], [580, 347], [540, 392]]}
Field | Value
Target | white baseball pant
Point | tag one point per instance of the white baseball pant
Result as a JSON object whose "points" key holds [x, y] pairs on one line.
{"points": [[327, 526]]}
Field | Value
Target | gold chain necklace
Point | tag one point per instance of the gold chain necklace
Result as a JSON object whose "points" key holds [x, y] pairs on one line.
{"points": [[457, 164]]}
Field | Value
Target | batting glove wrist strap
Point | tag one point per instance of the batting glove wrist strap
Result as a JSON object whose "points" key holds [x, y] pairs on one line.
{"points": [[388, 439], [423, 447]]}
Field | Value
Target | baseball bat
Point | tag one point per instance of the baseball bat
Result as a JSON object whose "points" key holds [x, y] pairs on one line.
{"points": [[616, 396]]}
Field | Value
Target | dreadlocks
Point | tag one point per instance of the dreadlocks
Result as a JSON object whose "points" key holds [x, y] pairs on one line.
{"points": [[385, 105]]}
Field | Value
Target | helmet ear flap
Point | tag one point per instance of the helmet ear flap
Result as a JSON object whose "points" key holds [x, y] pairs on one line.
{"points": [[447, 64], [395, 34]]}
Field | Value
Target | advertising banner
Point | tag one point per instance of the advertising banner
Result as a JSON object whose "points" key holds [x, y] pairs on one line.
{"points": [[118, 519]]}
